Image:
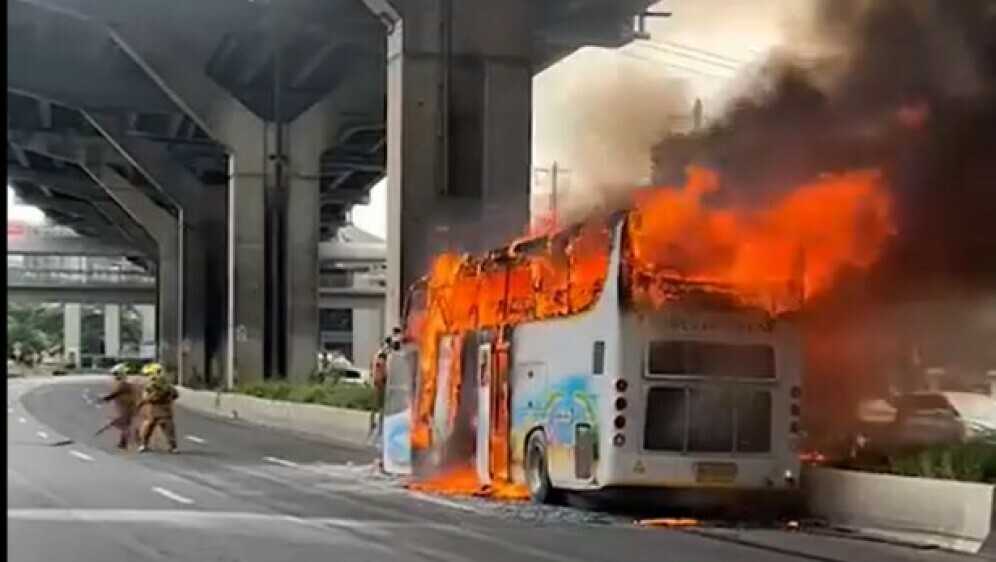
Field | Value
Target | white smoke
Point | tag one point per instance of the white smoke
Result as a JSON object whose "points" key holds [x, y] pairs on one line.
{"points": [[614, 110]]}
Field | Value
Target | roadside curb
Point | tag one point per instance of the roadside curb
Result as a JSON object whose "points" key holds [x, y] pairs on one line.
{"points": [[916, 511], [335, 425]]}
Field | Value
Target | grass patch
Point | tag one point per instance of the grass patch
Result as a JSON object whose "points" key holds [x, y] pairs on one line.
{"points": [[339, 395]]}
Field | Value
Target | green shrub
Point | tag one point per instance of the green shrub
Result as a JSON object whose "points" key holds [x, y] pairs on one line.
{"points": [[339, 395], [969, 462]]}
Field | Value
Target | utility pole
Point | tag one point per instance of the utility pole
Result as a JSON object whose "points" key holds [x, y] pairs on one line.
{"points": [[554, 172]]}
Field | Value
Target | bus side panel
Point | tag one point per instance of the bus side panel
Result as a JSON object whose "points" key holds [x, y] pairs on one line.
{"points": [[561, 394], [529, 386], [566, 396]]}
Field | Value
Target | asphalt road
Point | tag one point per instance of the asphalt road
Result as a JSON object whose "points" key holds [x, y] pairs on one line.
{"points": [[236, 492]]}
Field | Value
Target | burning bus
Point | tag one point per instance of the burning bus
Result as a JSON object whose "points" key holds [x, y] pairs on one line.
{"points": [[583, 360]]}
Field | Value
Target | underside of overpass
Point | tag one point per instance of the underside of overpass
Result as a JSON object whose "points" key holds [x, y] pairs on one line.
{"points": [[224, 140]]}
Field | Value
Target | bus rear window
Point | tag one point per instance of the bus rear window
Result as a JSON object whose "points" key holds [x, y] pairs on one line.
{"points": [[710, 359], [708, 420]]}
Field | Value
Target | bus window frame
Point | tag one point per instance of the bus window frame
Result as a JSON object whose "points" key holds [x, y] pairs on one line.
{"points": [[686, 387], [726, 379]]}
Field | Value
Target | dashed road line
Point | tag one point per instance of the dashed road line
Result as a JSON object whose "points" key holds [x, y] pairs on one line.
{"points": [[172, 495], [196, 439], [42, 434], [444, 502], [281, 462], [22, 420], [81, 456]]}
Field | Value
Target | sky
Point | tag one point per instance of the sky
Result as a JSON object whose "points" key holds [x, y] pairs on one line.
{"points": [[586, 116]]}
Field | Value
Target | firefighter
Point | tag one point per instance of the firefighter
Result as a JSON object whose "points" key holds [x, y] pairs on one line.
{"points": [[158, 398], [124, 396]]}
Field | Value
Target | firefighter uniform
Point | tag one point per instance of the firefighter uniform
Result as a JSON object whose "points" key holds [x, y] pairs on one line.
{"points": [[157, 399], [124, 396]]}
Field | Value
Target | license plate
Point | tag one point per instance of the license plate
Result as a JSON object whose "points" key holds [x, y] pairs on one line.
{"points": [[715, 472]]}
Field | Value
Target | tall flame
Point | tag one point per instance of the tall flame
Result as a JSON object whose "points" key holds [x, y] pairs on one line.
{"points": [[807, 237]]}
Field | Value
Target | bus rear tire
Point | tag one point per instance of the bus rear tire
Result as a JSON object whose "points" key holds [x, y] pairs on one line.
{"points": [[537, 475]]}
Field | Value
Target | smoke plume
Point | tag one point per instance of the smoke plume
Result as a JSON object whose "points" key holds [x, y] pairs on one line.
{"points": [[619, 111], [908, 88]]}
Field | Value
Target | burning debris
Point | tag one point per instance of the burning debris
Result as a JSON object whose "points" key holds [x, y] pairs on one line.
{"points": [[463, 481], [669, 523]]}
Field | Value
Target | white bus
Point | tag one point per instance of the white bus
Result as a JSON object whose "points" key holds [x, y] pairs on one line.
{"points": [[685, 396]]}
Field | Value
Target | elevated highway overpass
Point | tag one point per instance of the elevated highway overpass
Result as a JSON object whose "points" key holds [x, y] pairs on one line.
{"points": [[225, 140], [95, 287]]}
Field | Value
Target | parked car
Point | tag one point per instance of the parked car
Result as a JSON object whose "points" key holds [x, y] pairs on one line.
{"points": [[354, 375], [925, 419]]}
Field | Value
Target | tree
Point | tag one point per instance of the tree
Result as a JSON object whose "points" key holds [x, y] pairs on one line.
{"points": [[37, 327]]}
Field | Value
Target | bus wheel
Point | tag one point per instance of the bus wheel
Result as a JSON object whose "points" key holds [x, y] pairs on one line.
{"points": [[537, 477]]}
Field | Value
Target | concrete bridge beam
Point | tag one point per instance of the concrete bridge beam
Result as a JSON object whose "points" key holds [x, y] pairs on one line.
{"points": [[166, 230], [273, 211], [200, 214], [81, 187], [459, 83]]}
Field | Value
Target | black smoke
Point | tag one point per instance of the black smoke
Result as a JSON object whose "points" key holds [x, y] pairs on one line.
{"points": [[910, 90]]}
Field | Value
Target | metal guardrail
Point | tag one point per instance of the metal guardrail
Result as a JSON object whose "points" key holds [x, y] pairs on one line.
{"points": [[21, 276]]}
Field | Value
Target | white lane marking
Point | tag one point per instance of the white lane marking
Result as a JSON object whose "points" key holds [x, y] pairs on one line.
{"points": [[282, 462], [444, 502], [81, 456], [42, 434], [172, 495], [195, 519], [196, 439], [22, 420]]}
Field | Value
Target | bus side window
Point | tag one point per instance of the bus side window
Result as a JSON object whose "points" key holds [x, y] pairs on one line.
{"points": [[598, 358]]}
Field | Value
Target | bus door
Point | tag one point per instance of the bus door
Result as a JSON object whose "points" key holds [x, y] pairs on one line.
{"points": [[500, 408], [484, 403], [395, 423]]}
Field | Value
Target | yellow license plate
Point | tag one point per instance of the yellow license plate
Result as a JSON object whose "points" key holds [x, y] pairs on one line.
{"points": [[715, 472]]}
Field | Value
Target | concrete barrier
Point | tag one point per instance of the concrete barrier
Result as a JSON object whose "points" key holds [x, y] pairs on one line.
{"points": [[943, 513], [339, 425]]}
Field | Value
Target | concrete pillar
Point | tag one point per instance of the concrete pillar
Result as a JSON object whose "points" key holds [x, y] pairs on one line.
{"points": [[112, 330], [368, 332], [274, 267], [459, 84], [308, 135], [246, 289], [147, 312], [193, 307], [200, 215], [72, 327]]}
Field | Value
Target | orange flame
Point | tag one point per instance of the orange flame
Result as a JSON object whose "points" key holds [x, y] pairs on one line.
{"points": [[463, 481], [669, 522], [758, 256], [802, 241]]}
